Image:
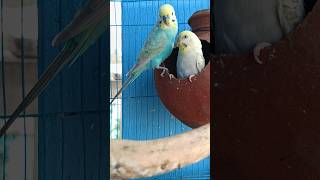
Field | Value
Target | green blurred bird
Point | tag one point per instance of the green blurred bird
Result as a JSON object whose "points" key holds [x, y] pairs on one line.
{"points": [[89, 23]]}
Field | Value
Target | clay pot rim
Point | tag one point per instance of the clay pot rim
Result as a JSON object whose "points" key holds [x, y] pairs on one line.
{"points": [[198, 14], [201, 11], [186, 80]]}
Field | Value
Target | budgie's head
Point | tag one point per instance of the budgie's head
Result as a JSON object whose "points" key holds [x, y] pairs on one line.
{"points": [[167, 17], [188, 40]]}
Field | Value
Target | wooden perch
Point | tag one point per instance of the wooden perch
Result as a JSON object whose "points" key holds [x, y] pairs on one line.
{"points": [[138, 159]]}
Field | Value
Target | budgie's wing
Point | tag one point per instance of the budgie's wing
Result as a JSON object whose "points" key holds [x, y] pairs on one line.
{"points": [[87, 38], [200, 63], [154, 45], [89, 15]]}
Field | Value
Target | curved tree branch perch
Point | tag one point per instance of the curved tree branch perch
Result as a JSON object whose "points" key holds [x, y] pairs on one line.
{"points": [[137, 159]]}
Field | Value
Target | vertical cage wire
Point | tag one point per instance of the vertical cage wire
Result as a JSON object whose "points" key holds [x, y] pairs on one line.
{"points": [[115, 69], [17, 75], [23, 88], [4, 103], [143, 116]]}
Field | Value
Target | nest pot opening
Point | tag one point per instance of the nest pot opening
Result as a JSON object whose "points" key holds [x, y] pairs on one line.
{"points": [[187, 101]]}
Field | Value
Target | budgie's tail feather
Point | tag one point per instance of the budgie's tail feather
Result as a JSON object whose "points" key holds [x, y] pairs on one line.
{"points": [[137, 68], [131, 78], [44, 80], [131, 70]]}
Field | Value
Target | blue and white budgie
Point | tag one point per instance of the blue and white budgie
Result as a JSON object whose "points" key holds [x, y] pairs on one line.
{"points": [[190, 60], [157, 47], [88, 25]]}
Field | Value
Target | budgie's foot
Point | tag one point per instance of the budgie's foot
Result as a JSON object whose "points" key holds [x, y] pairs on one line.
{"points": [[190, 78], [171, 76], [257, 49], [164, 70]]}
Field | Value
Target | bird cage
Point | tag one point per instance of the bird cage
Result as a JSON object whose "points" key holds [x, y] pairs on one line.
{"points": [[144, 115]]}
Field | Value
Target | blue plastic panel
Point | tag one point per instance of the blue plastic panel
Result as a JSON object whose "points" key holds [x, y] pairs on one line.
{"points": [[73, 123]]}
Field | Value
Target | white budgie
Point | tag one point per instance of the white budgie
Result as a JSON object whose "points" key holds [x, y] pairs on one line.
{"points": [[190, 57]]}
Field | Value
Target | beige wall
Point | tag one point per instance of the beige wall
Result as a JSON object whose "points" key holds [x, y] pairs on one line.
{"points": [[15, 147]]}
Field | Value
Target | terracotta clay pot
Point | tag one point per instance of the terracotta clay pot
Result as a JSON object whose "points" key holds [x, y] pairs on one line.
{"points": [[200, 24], [189, 102]]}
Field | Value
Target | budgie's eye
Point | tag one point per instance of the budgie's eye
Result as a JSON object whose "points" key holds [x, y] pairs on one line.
{"points": [[185, 36], [172, 13]]}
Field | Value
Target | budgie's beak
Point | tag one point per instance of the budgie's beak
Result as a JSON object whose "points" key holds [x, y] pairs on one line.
{"points": [[165, 19], [180, 43]]}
